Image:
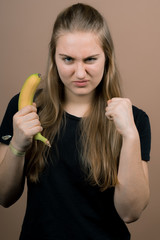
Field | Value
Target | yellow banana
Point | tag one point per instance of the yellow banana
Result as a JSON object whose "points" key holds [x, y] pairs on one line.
{"points": [[26, 98]]}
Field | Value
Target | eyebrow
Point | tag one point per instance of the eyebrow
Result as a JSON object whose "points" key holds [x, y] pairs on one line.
{"points": [[92, 56]]}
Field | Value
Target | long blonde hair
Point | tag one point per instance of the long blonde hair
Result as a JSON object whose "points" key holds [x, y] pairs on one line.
{"points": [[101, 143]]}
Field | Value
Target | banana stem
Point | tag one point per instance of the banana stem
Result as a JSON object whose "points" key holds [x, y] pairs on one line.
{"points": [[41, 138]]}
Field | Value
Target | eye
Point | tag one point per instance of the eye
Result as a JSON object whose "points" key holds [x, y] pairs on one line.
{"points": [[90, 59], [68, 59]]}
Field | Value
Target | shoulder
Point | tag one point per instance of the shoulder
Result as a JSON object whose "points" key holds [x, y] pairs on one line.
{"points": [[14, 101], [143, 126], [140, 116], [137, 112], [12, 107], [6, 127], [142, 123]]}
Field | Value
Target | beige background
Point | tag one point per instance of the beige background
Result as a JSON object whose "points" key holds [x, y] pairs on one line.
{"points": [[25, 29]]}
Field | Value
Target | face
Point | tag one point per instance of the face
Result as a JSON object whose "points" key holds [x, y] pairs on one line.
{"points": [[80, 62]]}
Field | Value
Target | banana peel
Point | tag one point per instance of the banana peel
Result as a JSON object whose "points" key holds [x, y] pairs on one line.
{"points": [[26, 98]]}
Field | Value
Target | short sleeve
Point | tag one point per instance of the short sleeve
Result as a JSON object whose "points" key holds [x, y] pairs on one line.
{"points": [[144, 129], [6, 128]]}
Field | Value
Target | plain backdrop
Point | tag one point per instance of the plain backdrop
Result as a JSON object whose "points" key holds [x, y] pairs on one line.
{"points": [[25, 30]]}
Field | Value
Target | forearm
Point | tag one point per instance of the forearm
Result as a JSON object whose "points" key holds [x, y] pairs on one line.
{"points": [[11, 178], [26, 125], [132, 192]]}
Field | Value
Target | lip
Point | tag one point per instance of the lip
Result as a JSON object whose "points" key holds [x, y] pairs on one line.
{"points": [[81, 83]]}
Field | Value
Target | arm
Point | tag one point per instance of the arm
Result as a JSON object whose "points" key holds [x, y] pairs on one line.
{"points": [[132, 192], [11, 176], [25, 125]]}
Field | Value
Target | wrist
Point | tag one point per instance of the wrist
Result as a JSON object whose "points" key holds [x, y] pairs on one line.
{"points": [[18, 145], [16, 152], [131, 134]]}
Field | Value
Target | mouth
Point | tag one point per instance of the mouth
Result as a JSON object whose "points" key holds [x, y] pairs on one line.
{"points": [[81, 83]]}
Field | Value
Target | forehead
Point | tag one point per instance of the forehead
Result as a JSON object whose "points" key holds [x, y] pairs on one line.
{"points": [[78, 43]]}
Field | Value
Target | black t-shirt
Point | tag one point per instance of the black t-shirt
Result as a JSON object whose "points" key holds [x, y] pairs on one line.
{"points": [[62, 205]]}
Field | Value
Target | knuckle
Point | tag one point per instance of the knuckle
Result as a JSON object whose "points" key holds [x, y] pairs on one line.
{"points": [[31, 108], [40, 129], [28, 108], [128, 100], [17, 121], [35, 115], [14, 117], [38, 122]]}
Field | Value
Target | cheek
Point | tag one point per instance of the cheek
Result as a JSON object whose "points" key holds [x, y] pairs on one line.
{"points": [[101, 69], [64, 72], [97, 71]]}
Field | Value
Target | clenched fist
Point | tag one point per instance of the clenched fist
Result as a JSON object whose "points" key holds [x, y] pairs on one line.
{"points": [[120, 111], [25, 125]]}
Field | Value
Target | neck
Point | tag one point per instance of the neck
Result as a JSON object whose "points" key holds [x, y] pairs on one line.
{"points": [[77, 105]]}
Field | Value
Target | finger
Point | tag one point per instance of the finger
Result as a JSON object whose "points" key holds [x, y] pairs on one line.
{"points": [[27, 109], [118, 99], [109, 108], [30, 132], [109, 101], [112, 102], [34, 104], [30, 116], [33, 123], [109, 115], [115, 99]]}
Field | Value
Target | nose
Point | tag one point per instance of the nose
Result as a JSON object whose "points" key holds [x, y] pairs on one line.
{"points": [[80, 71]]}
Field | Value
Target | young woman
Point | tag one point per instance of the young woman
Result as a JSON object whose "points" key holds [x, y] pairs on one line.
{"points": [[94, 178]]}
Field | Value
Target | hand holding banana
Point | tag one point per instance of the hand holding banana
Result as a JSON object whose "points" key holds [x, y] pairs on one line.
{"points": [[26, 98]]}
